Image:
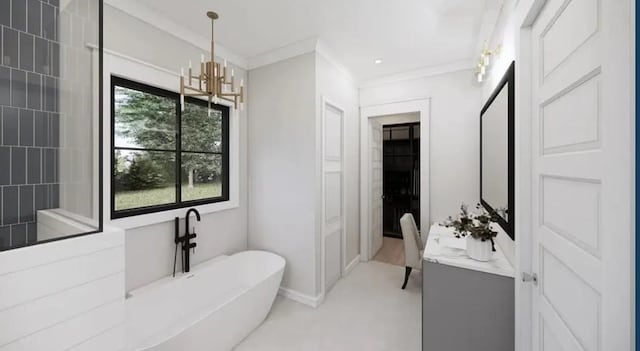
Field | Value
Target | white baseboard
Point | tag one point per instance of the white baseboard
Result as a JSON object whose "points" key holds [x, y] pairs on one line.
{"points": [[312, 301], [351, 265]]}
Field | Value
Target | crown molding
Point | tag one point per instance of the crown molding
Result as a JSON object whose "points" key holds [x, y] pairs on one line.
{"points": [[428, 71], [161, 22], [298, 48], [323, 50], [282, 53]]}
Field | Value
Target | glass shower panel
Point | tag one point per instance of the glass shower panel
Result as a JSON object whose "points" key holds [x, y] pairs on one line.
{"points": [[49, 109]]}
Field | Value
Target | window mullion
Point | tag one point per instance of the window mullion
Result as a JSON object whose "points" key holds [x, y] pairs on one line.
{"points": [[178, 152]]}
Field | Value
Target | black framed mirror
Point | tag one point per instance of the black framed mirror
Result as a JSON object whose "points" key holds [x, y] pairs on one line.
{"points": [[497, 153]]}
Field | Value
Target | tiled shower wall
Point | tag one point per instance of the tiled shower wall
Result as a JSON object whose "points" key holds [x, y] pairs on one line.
{"points": [[29, 115]]}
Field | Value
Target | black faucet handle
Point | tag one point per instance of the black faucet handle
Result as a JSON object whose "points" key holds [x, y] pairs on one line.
{"points": [[190, 246], [192, 236]]}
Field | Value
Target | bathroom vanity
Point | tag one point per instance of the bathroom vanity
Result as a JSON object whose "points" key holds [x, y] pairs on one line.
{"points": [[466, 304]]}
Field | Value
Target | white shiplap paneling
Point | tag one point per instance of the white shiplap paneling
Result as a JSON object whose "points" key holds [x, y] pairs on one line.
{"points": [[63, 295]]}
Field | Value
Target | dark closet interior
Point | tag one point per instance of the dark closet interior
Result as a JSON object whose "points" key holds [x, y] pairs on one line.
{"points": [[401, 178]]}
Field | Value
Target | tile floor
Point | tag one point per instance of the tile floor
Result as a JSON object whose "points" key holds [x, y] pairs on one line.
{"points": [[366, 310]]}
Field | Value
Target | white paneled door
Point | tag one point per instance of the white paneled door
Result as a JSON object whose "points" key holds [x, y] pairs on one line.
{"points": [[581, 183], [375, 179], [333, 204]]}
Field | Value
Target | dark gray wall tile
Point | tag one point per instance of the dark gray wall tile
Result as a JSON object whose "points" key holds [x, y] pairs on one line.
{"points": [[48, 22], [41, 197], [18, 88], [5, 13], [54, 196], [55, 59], [54, 130], [50, 94], [18, 235], [10, 205], [56, 3], [10, 126], [34, 91], [5, 236], [5, 165], [26, 52], [41, 122], [49, 166], [42, 60], [26, 128], [18, 165], [19, 14], [32, 233], [33, 17], [26, 204], [5, 86], [9, 47], [34, 159]]}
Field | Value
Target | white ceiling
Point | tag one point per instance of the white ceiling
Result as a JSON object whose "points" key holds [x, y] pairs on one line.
{"points": [[406, 34]]}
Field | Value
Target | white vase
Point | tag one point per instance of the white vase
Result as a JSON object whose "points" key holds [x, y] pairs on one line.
{"points": [[479, 250]]}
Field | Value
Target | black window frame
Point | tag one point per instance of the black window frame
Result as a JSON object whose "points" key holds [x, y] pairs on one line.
{"points": [[117, 81]]}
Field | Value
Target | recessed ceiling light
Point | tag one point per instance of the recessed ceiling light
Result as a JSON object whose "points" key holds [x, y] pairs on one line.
{"points": [[377, 61]]}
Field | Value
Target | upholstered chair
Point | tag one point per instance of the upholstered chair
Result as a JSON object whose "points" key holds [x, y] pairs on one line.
{"points": [[413, 245]]}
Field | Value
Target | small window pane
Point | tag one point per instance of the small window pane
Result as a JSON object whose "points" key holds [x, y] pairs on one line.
{"points": [[201, 176], [201, 131], [144, 178], [144, 120]]}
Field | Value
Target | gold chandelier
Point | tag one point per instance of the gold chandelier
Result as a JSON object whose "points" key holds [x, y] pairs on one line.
{"points": [[213, 81]]}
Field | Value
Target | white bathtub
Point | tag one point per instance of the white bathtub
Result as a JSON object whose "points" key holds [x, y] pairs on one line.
{"points": [[211, 308]]}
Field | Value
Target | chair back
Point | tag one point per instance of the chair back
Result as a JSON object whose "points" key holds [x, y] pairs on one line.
{"points": [[413, 244]]}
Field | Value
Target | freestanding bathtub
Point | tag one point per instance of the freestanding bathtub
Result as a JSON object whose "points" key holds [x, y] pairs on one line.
{"points": [[212, 308]]}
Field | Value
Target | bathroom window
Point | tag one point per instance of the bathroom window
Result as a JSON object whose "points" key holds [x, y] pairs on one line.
{"points": [[165, 157]]}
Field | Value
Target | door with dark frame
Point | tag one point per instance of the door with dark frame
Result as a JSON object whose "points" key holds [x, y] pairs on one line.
{"points": [[401, 175]]}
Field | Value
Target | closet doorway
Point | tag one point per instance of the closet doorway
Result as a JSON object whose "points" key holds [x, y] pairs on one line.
{"points": [[401, 175], [395, 181], [372, 157]]}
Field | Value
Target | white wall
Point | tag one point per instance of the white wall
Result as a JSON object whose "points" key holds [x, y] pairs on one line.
{"points": [[282, 167], [454, 133], [65, 295], [336, 86], [150, 249]]}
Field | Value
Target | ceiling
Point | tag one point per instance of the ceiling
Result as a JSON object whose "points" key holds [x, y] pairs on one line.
{"points": [[406, 34]]}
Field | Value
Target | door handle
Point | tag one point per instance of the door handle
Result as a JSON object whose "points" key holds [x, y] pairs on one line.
{"points": [[530, 277]]}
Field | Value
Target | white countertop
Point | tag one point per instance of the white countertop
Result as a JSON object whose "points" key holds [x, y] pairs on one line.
{"points": [[444, 248]]}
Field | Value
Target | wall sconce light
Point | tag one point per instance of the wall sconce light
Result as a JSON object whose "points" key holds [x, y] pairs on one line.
{"points": [[484, 61]]}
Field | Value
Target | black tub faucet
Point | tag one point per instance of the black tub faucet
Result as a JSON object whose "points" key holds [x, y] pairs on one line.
{"points": [[187, 246], [187, 219]]}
